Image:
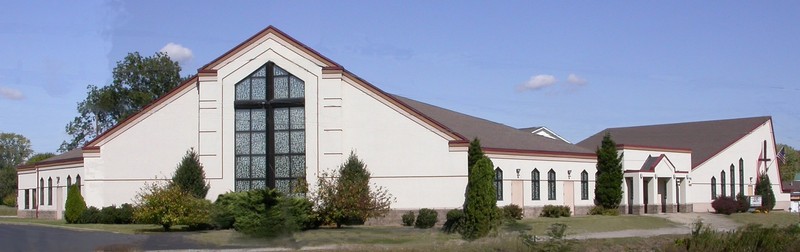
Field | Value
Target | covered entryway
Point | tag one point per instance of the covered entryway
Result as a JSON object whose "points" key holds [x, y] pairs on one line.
{"points": [[655, 188]]}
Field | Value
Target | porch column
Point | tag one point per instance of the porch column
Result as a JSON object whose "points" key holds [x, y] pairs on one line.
{"points": [[671, 186], [653, 202], [638, 200]]}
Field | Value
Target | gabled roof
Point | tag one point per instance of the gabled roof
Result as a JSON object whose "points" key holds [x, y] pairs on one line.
{"points": [[705, 139], [74, 155], [491, 134], [544, 130]]}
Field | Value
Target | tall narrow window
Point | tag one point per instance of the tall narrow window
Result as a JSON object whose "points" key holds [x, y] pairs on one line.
{"points": [[741, 176], [584, 185], [535, 184], [270, 142], [27, 199], [733, 181], [69, 182], [713, 188], [722, 183], [498, 183], [551, 185], [78, 181], [41, 191], [50, 191]]}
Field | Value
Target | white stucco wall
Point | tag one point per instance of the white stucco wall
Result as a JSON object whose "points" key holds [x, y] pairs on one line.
{"points": [[527, 164], [634, 158], [747, 148], [29, 180], [148, 149]]}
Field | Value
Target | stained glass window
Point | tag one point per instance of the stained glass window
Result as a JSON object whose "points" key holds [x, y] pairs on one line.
{"points": [[584, 185], [269, 130]]}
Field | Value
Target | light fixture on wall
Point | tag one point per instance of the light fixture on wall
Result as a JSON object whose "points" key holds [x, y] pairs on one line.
{"points": [[690, 180], [518, 170], [569, 174], [751, 180]]}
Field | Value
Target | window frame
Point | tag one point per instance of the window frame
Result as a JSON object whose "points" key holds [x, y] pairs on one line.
{"points": [[498, 183], [536, 187], [551, 185], [50, 191], [41, 191], [713, 187], [584, 185], [269, 105]]}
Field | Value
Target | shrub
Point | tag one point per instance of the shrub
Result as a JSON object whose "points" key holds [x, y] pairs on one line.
{"points": [[600, 210], [408, 219], [263, 213], [89, 216], [480, 206], [743, 203], [454, 221], [169, 205], [752, 237], [10, 200], [512, 212], [427, 218], [75, 205], [553, 211], [725, 205], [190, 177], [348, 199]]}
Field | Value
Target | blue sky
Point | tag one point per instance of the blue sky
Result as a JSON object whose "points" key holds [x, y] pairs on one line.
{"points": [[575, 67]]}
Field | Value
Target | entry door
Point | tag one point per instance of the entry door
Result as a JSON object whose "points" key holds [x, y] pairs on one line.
{"points": [[517, 194], [569, 195]]}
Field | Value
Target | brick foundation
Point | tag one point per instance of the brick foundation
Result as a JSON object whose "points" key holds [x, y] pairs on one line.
{"points": [[51, 215]]}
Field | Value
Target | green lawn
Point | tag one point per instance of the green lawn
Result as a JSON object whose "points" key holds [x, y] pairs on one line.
{"points": [[779, 218], [8, 211], [597, 223]]}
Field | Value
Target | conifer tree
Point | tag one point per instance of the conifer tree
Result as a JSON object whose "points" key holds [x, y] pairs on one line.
{"points": [[764, 188], [75, 205], [190, 177], [480, 203], [608, 189]]}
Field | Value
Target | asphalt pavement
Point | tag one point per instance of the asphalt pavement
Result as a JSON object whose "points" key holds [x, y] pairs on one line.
{"points": [[39, 238]]}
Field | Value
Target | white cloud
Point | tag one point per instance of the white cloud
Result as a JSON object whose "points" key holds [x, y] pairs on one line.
{"points": [[177, 52], [575, 79], [538, 82], [11, 94]]}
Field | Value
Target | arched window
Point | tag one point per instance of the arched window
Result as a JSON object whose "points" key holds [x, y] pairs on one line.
{"points": [[551, 185], [722, 182], [78, 181], [741, 176], [713, 188], [584, 185], [50, 191], [269, 135], [733, 181], [69, 181], [41, 191], [535, 185], [498, 183]]}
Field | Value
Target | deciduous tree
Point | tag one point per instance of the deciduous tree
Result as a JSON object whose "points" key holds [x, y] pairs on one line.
{"points": [[790, 165], [137, 81]]}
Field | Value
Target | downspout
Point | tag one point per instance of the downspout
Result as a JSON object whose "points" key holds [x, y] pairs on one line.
{"points": [[36, 202]]}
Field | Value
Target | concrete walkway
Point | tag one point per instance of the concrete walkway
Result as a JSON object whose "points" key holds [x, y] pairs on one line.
{"points": [[685, 221]]}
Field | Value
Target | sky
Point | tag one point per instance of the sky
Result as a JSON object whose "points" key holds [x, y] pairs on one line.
{"points": [[576, 67]]}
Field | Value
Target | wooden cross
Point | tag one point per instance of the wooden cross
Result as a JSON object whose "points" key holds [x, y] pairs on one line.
{"points": [[764, 158]]}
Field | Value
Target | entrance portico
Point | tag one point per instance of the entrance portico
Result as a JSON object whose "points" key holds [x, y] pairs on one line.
{"points": [[655, 188]]}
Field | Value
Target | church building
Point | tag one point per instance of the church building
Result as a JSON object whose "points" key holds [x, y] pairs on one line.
{"points": [[272, 111]]}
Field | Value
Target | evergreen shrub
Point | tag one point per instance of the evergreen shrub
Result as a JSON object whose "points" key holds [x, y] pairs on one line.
{"points": [[75, 205], [263, 213], [426, 218], [454, 221], [743, 203], [408, 219], [90, 216], [600, 210], [480, 206], [512, 212], [190, 177], [553, 211], [725, 205]]}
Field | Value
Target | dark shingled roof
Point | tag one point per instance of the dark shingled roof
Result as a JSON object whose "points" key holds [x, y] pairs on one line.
{"points": [[74, 153], [705, 139], [491, 134]]}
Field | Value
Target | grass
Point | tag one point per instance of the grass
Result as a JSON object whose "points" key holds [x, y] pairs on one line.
{"points": [[599, 223], [767, 220], [8, 211]]}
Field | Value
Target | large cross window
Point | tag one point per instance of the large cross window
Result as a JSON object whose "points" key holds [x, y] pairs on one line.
{"points": [[270, 130]]}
